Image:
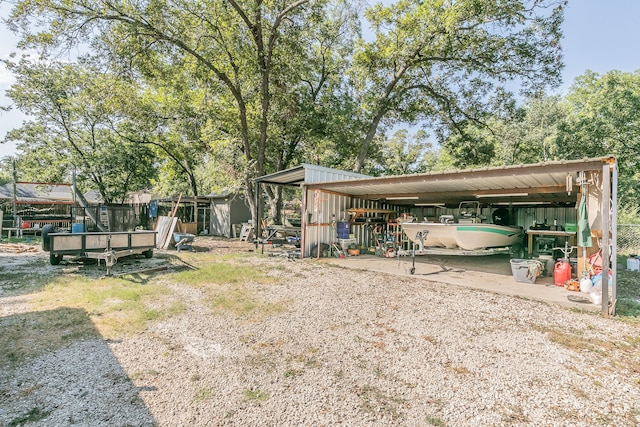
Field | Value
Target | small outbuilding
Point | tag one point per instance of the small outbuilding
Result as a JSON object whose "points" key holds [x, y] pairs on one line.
{"points": [[542, 196], [229, 210]]}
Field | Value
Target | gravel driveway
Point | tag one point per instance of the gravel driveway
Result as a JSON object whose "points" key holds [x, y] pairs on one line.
{"points": [[347, 347]]}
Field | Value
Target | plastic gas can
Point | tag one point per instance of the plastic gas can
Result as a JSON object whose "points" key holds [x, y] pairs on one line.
{"points": [[561, 272]]}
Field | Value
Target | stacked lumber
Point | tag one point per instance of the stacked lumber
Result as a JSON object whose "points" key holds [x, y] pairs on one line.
{"points": [[17, 248]]}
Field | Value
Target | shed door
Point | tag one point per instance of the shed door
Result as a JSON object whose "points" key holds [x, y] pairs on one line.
{"points": [[220, 218]]}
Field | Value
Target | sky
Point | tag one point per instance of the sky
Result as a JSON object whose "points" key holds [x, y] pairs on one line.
{"points": [[598, 35]]}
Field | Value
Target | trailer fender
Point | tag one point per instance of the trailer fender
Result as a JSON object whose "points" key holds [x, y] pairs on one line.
{"points": [[46, 240]]}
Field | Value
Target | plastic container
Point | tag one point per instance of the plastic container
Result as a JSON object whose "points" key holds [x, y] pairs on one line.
{"points": [[519, 269], [633, 264], [77, 228], [344, 229], [548, 262], [570, 227], [561, 272], [585, 285]]}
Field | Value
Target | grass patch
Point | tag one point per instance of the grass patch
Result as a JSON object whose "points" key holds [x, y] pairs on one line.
{"points": [[627, 282], [375, 402], [225, 284], [435, 421], [242, 302], [627, 292], [34, 415], [12, 283], [203, 394], [621, 354], [628, 309], [255, 395], [218, 273], [116, 306], [292, 373], [28, 335]]}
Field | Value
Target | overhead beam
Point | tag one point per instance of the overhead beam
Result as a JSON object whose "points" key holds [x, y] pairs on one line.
{"points": [[559, 189]]}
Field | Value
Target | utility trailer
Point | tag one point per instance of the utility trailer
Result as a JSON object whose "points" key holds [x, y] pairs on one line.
{"points": [[107, 246]]}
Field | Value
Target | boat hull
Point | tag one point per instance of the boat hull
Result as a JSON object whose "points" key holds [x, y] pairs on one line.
{"points": [[464, 236]]}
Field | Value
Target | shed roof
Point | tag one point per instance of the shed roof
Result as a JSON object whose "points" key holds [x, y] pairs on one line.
{"points": [[38, 193], [549, 182], [306, 173]]}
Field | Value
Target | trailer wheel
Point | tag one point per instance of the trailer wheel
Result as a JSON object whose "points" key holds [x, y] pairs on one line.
{"points": [[55, 259], [46, 240], [148, 254]]}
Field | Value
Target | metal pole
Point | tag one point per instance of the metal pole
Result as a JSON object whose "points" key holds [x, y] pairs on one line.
{"points": [[303, 222], [14, 209], [606, 227], [256, 200], [614, 240]]}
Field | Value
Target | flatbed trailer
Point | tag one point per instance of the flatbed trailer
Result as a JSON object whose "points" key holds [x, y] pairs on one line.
{"points": [[107, 246]]}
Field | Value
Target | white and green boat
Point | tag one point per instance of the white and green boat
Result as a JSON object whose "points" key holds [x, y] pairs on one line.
{"points": [[468, 233]]}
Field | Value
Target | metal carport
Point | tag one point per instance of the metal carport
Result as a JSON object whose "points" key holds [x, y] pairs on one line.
{"points": [[555, 183]]}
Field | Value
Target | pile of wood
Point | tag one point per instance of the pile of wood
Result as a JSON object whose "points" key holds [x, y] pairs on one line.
{"points": [[17, 248], [166, 226]]}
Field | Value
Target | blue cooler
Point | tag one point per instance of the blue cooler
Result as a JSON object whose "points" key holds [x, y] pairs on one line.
{"points": [[344, 229]]}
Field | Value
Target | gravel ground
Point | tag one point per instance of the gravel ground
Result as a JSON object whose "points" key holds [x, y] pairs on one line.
{"points": [[350, 348]]}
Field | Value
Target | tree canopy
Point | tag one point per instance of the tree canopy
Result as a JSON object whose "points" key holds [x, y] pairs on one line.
{"points": [[73, 126], [210, 94], [260, 85]]}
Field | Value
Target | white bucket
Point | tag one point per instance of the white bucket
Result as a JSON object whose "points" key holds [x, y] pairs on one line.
{"points": [[633, 264]]}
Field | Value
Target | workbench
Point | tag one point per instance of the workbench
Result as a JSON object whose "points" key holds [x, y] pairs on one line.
{"points": [[570, 235], [357, 212]]}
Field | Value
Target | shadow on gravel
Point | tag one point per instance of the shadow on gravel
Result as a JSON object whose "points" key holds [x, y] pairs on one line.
{"points": [[56, 369], [496, 264]]}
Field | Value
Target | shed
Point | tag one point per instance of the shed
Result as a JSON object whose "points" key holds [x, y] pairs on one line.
{"points": [[228, 209], [36, 202], [530, 190]]}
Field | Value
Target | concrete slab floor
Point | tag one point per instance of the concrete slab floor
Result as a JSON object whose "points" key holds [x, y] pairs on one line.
{"points": [[488, 273]]}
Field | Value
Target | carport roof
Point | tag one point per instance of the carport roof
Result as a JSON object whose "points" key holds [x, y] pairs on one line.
{"points": [[306, 173], [546, 182]]}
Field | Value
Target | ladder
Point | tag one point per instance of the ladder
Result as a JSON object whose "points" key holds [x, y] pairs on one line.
{"points": [[245, 232]]}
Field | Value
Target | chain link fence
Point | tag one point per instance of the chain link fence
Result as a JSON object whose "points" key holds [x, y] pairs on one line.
{"points": [[628, 239]]}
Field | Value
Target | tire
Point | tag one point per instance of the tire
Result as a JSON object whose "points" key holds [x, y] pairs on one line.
{"points": [[46, 240], [148, 254], [54, 259]]}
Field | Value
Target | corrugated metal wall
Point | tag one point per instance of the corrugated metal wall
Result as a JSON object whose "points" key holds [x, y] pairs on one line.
{"points": [[331, 209], [320, 219]]}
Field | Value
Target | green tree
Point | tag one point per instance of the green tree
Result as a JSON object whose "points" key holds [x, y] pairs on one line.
{"points": [[74, 112], [402, 154], [240, 51], [604, 118], [450, 63], [527, 135], [6, 166]]}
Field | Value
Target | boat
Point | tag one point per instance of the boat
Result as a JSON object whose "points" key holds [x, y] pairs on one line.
{"points": [[468, 233]]}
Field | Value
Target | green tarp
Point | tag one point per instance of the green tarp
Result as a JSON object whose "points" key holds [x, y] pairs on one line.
{"points": [[584, 231]]}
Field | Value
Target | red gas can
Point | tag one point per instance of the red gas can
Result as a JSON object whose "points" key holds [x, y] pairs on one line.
{"points": [[562, 272]]}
